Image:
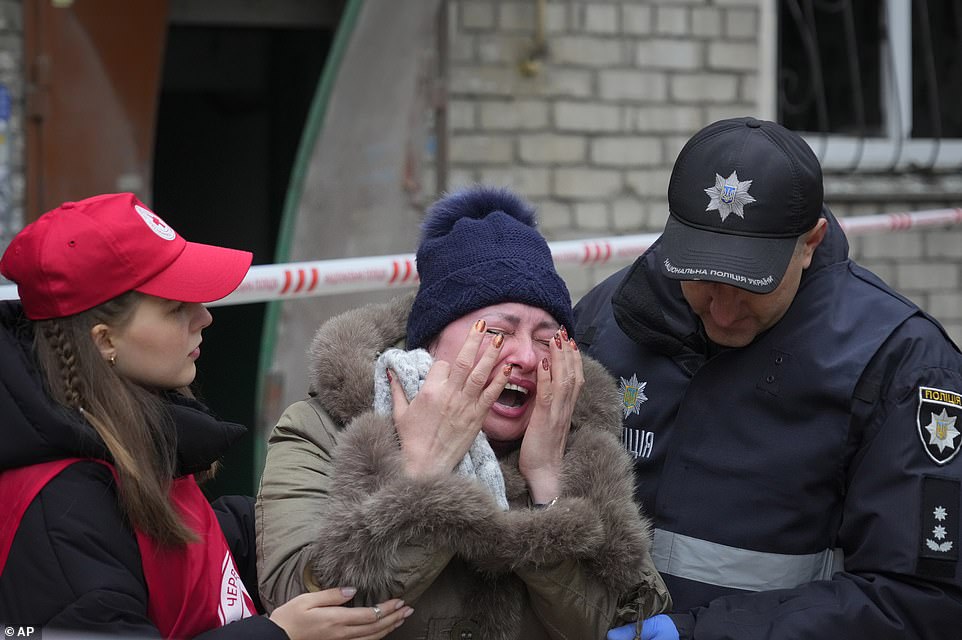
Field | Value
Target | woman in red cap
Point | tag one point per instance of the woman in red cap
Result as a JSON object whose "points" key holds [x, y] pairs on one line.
{"points": [[104, 528]]}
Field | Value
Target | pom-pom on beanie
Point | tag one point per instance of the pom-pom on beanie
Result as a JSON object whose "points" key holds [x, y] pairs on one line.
{"points": [[479, 247]]}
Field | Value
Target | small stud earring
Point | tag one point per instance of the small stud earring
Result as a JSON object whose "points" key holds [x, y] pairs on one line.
{"points": [[112, 360]]}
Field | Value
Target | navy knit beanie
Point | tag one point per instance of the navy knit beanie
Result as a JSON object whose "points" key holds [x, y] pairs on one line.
{"points": [[480, 247]]}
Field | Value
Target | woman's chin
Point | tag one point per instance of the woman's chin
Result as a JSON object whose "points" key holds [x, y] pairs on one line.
{"points": [[505, 428]]}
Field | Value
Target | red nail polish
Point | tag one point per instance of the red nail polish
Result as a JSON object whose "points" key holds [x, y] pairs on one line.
{"points": [[545, 364], [557, 340], [574, 345], [564, 333], [390, 378], [507, 370]]}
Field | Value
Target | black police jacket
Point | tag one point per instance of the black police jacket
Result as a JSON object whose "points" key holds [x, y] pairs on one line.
{"points": [[808, 484]]}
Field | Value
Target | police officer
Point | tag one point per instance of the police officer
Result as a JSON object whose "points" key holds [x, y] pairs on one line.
{"points": [[794, 421]]}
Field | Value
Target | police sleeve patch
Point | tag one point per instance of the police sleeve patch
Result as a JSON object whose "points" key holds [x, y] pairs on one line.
{"points": [[939, 540], [938, 422]]}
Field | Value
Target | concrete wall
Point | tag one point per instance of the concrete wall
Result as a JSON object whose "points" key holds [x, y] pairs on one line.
{"points": [[592, 136]]}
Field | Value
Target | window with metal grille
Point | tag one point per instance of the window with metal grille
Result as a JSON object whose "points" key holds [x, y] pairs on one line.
{"points": [[874, 85]]}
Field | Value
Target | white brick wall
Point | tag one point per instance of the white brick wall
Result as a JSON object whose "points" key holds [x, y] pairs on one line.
{"points": [[737, 56], [514, 115], [588, 117], [587, 183], [593, 217], [662, 53], [631, 85], [533, 181], [637, 19], [625, 151], [944, 244], [482, 150], [671, 21], [891, 245], [741, 23], [552, 148], [601, 18], [704, 87], [912, 275], [587, 51], [591, 138]]}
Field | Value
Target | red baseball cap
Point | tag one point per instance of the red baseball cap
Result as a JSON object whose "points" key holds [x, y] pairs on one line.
{"points": [[84, 253]]}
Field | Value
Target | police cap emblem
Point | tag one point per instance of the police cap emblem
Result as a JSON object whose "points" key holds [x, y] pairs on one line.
{"points": [[729, 195]]}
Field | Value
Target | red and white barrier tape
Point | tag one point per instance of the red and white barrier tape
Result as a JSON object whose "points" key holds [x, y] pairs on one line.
{"points": [[350, 275], [324, 277]]}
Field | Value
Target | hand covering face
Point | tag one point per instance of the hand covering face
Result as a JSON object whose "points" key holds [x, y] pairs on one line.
{"points": [[410, 368]]}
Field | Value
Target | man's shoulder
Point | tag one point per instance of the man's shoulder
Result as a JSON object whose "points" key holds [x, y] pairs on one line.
{"points": [[850, 292], [925, 337], [880, 286], [916, 323]]}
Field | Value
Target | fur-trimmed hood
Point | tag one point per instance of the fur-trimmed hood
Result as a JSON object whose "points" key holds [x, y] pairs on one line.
{"points": [[344, 349], [335, 473]]}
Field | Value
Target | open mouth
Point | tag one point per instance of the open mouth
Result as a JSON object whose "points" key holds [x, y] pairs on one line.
{"points": [[513, 396]]}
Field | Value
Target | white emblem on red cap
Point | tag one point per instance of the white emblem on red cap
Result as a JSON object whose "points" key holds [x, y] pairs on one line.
{"points": [[156, 224], [729, 196]]}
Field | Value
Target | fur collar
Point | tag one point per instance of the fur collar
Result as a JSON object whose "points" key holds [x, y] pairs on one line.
{"points": [[379, 523], [344, 349]]}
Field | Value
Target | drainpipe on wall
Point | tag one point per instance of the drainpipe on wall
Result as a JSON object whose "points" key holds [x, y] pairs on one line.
{"points": [[441, 101], [531, 65]]}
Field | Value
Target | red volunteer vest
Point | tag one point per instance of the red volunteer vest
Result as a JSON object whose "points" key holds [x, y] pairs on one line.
{"points": [[191, 589]]}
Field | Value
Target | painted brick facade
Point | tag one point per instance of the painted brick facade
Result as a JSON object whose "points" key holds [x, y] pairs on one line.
{"points": [[623, 85], [590, 138]]}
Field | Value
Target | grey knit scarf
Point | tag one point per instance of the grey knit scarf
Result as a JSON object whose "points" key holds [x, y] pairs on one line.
{"points": [[411, 367]]}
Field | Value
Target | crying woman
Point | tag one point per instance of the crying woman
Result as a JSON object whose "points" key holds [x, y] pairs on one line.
{"points": [[459, 453]]}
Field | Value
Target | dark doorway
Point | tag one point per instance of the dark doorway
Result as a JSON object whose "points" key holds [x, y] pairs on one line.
{"points": [[233, 103]]}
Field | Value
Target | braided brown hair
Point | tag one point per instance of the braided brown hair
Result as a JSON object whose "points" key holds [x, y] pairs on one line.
{"points": [[131, 420]]}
